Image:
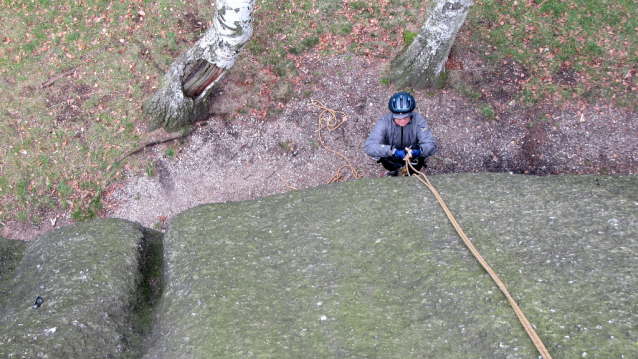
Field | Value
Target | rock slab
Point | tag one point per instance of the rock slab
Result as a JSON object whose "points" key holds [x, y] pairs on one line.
{"points": [[372, 268], [369, 268], [88, 277]]}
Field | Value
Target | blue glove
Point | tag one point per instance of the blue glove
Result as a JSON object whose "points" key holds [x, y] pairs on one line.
{"points": [[416, 153], [399, 154]]}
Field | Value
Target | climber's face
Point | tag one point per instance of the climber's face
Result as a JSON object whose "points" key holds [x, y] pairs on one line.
{"points": [[402, 121]]}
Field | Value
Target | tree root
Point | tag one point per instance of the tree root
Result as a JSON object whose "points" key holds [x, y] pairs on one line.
{"points": [[158, 142]]}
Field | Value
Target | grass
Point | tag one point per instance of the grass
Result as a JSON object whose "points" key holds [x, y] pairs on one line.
{"points": [[170, 152], [594, 38], [330, 27], [73, 78], [288, 147], [409, 36], [74, 74], [487, 110]]}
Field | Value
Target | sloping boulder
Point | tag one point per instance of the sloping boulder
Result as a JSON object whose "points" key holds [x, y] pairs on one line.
{"points": [[88, 277], [372, 268], [367, 268]]}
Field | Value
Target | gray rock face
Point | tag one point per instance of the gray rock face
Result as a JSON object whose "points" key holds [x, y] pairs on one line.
{"points": [[10, 254], [367, 268], [88, 276]]}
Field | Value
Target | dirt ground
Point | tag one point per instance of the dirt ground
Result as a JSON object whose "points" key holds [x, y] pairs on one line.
{"points": [[242, 158]]}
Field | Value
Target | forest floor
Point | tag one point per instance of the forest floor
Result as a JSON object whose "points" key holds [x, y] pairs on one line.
{"points": [[249, 158], [243, 157], [533, 88]]}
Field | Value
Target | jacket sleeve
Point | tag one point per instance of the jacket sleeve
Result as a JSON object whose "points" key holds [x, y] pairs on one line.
{"points": [[375, 145], [425, 137]]}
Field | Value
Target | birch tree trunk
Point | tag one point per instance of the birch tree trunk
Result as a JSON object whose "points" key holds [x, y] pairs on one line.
{"points": [[422, 64], [182, 97]]}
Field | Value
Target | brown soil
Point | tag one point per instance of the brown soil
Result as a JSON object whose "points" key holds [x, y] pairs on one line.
{"points": [[245, 157]]}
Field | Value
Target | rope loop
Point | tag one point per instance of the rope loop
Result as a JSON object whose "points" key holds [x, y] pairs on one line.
{"points": [[329, 116], [333, 120]]}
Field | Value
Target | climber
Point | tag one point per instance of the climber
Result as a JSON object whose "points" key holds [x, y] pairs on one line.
{"points": [[399, 134]]}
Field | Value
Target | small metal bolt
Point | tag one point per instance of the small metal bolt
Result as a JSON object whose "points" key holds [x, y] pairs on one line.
{"points": [[38, 302]]}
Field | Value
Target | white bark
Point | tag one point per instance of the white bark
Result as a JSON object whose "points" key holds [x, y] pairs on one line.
{"points": [[204, 63], [422, 64]]}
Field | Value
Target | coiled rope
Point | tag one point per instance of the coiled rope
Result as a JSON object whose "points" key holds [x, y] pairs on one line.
{"points": [[331, 119], [519, 313]]}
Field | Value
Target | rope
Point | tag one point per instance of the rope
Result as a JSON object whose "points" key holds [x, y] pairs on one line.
{"points": [[287, 185], [331, 119], [519, 313]]}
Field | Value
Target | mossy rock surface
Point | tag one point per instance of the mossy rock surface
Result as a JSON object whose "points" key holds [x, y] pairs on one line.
{"points": [[88, 276], [11, 252], [373, 269], [368, 269]]}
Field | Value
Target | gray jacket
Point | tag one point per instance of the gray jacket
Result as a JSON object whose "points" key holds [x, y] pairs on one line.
{"points": [[387, 135]]}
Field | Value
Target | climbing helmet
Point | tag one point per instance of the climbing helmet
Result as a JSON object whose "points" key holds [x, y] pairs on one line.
{"points": [[402, 102]]}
